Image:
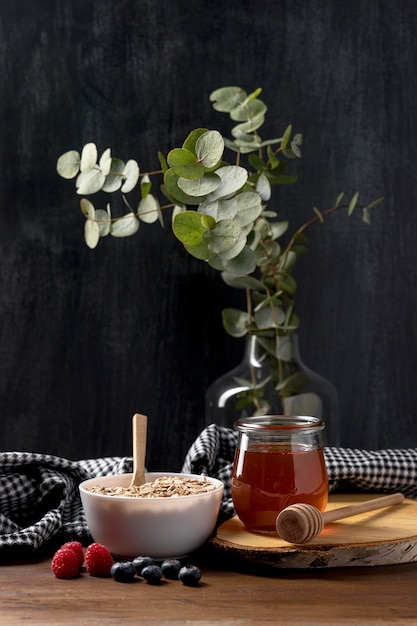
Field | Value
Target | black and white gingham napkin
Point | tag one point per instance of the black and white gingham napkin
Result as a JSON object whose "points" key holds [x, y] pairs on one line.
{"points": [[39, 496]]}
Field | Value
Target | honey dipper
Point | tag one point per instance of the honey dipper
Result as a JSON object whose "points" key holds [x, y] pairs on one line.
{"points": [[301, 522]]}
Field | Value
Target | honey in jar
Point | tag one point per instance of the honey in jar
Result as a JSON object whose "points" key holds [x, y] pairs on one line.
{"points": [[278, 461]]}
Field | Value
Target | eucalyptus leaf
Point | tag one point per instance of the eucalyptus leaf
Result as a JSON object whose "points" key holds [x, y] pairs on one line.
{"points": [[105, 162], [254, 94], [242, 281], [281, 179], [269, 317], [131, 175], [243, 263], [293, 384], [269, 345], [68, 164], [114, 179], [374, 203], [226, 99], [262, 228], [176, 193], [163, 162], [125, 226], [225, 236], [288, 284], [233, 251], [176, 211], [339, 199], [192, 138], [88, 158], [257, 162], [251, 125], [188, 228], [295, 145], [243, 142], [235, 322], [286, 137], [268, 252], [263, 187], [366, 215], [199, 252], [185, 164], [208, 222], [91, 233], [279, 228], [219, 209], [90, 182], [149, 209], [318, 213], [209, 148], [249, 207], [273, 299], [288, 261], [87, 208], [233, 177], [214, 260], [145, 186], [247, 111], [102, 219], [201, 187], [272, 157], [353, 202]]}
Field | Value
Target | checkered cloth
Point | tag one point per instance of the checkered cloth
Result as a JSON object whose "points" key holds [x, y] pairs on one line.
{"points": [[39, 498], [40, 502]]}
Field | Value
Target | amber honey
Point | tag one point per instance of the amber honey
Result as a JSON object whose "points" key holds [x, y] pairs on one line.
{"points": [[275, 467]]}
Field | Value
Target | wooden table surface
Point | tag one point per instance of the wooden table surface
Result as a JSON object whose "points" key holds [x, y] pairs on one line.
{"points": [[228, 594]]}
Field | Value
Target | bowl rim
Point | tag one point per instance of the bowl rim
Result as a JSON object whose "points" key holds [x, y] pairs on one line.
{"points": [[219, 486]]}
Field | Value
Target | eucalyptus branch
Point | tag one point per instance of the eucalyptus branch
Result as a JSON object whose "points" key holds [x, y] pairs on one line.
{"points": [[219, 211]]}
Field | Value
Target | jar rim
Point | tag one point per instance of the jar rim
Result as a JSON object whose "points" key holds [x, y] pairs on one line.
{"points": [[279, 423]]}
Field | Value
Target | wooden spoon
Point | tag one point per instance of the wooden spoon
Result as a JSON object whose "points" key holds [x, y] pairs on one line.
{"points": [[302, 522], [140, 424]]}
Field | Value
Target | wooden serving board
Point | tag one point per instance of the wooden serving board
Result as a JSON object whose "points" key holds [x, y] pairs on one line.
{"points": [[383, 537]]}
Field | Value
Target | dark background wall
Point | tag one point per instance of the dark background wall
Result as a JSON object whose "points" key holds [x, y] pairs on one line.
{"points": [[89, 337]]}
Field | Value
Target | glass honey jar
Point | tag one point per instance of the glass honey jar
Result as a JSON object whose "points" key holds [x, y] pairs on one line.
{"points": [[278, 461]]}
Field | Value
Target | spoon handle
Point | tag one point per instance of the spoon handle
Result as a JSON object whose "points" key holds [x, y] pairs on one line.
{"points": [[139, 425], [362, 507]]}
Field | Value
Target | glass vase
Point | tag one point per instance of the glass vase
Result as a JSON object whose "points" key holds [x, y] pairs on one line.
{"points": [[273, 382]]}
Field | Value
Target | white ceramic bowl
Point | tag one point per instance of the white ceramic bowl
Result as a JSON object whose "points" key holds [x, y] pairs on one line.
{"points": [[157, 527]]}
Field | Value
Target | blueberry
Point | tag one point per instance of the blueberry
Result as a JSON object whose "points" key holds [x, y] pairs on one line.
{"points": [[123, 572], [152, 574], [170, 568], [189, 575], [142, 561]]}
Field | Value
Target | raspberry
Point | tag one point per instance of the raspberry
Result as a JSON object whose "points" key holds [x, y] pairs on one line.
{"points": [[77, 548], [98, 560], [65, 563]]}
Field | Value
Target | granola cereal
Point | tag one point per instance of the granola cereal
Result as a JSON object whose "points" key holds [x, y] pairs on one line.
{"points": [[162, 487]]}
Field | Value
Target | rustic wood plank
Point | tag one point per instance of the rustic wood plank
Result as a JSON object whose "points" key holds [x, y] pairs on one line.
{"points": [[29, 593]]}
